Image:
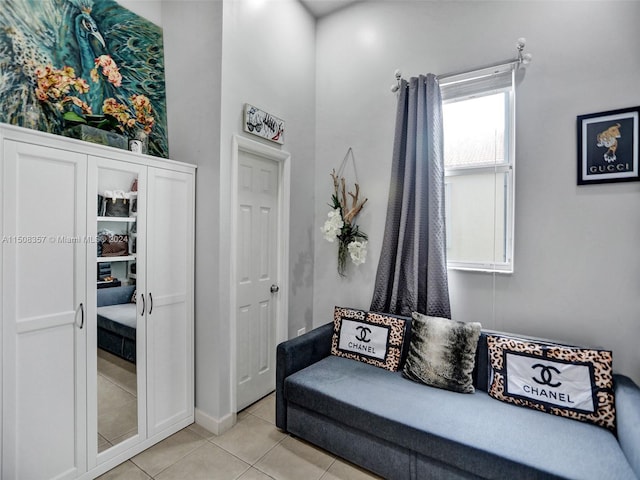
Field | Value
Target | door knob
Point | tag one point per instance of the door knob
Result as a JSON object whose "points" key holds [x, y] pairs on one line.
{"points": [[275, 288]]}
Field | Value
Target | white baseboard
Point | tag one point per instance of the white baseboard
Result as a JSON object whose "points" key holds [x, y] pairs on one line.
{"points": [[214, 425]]}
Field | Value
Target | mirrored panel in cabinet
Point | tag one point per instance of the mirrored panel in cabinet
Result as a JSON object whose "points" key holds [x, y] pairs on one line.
{"points": [[116, 309]]}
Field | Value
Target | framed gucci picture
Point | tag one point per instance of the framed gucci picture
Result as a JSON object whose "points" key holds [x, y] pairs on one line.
{"points": [[608, 146]]}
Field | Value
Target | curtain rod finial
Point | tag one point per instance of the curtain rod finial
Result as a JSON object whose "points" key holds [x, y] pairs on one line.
{"points": [[523, 58], [396, 86]]}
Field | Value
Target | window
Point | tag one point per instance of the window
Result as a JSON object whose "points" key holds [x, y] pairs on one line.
{"points": [[478, 116]]}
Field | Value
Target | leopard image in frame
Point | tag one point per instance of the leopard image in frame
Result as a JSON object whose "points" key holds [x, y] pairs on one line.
{"points": [[608, 146]]}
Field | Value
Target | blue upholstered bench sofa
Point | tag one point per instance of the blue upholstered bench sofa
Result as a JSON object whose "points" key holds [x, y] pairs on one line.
{"points": [[117, 321], [400, 429]]}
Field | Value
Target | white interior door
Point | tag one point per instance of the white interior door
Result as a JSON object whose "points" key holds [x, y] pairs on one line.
{"points": [[43, 312], [256, 276]]}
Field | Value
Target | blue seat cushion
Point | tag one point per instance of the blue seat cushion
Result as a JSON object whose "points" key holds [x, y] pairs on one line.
{"points": [[472, 432]]}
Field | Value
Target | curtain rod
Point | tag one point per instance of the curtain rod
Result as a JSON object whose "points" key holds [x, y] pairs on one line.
{"points": [[521, 59], [505, 63]]}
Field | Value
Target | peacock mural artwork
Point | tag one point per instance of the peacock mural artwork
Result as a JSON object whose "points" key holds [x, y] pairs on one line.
{"points": [[65, 62]]}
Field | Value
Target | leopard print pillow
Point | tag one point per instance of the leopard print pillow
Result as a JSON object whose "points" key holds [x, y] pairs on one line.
{"points": [[373, 338], [562, 380]]}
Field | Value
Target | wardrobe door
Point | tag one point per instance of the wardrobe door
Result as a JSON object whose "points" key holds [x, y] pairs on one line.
{"points": [[169, 240], [43, 312]]}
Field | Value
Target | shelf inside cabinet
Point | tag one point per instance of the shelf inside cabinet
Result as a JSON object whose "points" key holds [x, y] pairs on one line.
{"points": [[117, 219], [122, 258]]}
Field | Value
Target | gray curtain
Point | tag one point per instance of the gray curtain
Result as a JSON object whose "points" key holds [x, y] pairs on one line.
{"points": [[412, 271]]}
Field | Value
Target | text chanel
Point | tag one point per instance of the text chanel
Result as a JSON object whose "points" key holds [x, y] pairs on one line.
{"points": [[362, 348], [550, 394]]}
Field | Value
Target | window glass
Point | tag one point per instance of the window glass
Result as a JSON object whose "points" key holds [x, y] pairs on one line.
{"points": [[474, 131], [479, 179], [477, 202]]}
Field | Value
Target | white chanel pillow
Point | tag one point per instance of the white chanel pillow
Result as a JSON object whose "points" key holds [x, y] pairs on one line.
{"points": [[562, 380], [373, 338]]}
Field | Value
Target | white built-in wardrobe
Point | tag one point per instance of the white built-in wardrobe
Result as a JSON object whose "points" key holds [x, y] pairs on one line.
{"points": [[50, 397]]}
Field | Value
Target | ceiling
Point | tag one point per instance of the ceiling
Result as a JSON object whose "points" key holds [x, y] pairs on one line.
{"points": [[320, 8]]}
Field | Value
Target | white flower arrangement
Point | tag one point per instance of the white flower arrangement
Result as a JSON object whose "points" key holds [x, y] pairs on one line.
{"points": [[340, 225], [333, 226], [358, 251]]}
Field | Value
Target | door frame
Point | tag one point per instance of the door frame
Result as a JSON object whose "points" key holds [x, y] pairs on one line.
{"points": [[283, 159]]}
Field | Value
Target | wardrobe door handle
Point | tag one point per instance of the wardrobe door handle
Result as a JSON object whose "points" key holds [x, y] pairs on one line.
{"points": [[143, 304], [150, 303], [81, 315]]}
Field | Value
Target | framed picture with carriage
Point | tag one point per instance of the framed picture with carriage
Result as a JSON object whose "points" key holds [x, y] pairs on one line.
{"points": [[608, 146]]}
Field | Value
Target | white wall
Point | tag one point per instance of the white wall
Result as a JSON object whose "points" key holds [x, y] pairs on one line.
{"points": [[193, 63], [149, 9], [577, 258], [268, 61], [219, 55]]}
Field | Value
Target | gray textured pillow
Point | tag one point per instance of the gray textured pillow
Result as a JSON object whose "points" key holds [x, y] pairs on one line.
{"points": [[442, 353]]}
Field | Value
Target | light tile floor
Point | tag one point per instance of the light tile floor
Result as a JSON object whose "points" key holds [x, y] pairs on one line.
{"points": [[254, 449], [117, 400]]}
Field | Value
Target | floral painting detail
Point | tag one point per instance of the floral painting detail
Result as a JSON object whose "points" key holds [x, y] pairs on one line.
{"points": [[109, 70], [54, 85], [340, 224], [64, 61], [128, 122], [54, 88]]}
